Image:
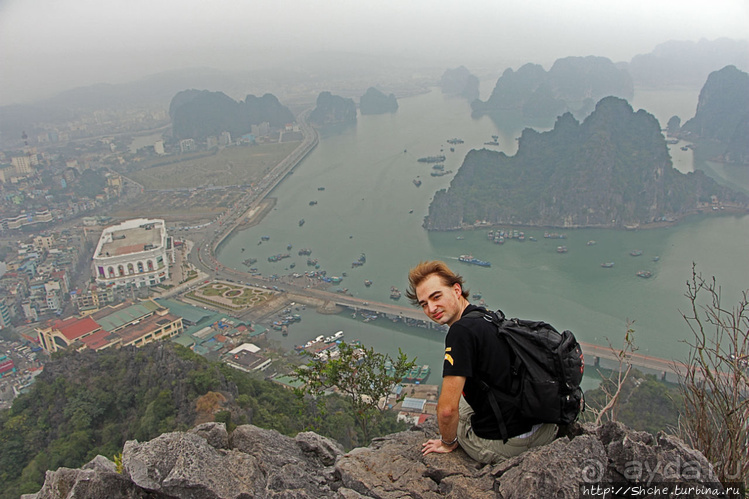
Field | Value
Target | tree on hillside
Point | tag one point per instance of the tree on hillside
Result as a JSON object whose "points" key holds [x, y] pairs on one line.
{"points": [[715, 381], [362, 375]]}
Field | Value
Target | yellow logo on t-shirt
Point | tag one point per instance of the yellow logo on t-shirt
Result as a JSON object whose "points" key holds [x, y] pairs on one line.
{"points": [[449, 357]]}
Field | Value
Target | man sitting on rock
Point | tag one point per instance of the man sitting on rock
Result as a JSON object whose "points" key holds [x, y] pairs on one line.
{"points": [[473, 352]]}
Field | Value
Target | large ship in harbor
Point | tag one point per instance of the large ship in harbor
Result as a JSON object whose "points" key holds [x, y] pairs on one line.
{"points": [[432, 159], [418, 374], [474, 261]]}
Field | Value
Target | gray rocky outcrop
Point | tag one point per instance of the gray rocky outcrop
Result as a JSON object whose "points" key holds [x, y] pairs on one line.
{"points": [[250, 462]]}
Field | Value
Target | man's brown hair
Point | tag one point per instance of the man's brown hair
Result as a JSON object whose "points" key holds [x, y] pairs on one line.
{"points": [[423, 270]]}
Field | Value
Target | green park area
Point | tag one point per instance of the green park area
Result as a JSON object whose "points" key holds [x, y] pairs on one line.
{"points": [[230, 296], [182, 180], [239, 165]]}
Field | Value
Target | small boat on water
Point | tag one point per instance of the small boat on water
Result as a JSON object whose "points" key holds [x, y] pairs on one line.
{"points": [[334, 337], [417, 182], [474, 261], [607, 265], [301, 222], [561, 249], [644, 274], [361, 261], [635, 252], [411, 375], [395, 293], [423, 373], [367, 283], [278, 257], [554, 235]]}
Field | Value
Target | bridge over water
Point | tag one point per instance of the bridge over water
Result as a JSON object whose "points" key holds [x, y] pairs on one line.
{"points": [[595, 355]]}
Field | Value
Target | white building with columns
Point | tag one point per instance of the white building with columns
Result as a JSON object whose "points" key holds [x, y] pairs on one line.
{"points": [[136, 252]]}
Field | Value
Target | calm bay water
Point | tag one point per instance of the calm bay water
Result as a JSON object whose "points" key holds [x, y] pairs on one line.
{"points": [[371, 205]]}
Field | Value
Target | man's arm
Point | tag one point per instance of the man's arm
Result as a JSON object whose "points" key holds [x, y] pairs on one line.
{"points": [[447, 415]]}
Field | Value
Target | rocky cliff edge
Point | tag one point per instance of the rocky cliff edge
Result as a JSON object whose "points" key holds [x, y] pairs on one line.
{"points": [[250, 462]]}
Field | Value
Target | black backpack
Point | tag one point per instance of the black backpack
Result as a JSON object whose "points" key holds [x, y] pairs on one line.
{"points": [[546, 372]]}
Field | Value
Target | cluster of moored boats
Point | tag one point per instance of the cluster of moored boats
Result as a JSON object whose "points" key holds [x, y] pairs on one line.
{"points": [[283, 323], [499, 236], [322, 347], [417, 374]]}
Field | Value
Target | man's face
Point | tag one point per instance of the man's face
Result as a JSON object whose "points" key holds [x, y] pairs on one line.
{"points": [[439, 302]]}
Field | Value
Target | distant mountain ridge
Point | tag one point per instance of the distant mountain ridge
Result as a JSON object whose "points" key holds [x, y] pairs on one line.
{"points": [[680, 63], [199, 113], [573, 84], [376, 102], [459, 81], [687, 63], [612, 170], [333, 109], [723, 115]]}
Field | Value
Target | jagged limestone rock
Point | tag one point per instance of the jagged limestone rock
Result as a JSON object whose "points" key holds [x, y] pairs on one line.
{"points": [[265, 464], [92, 483], [185, 465], [325, 449], [214, 433]]}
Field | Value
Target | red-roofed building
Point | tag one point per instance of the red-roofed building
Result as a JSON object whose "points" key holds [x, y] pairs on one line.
{"points": [[136, 325], [100, 339], [6, 366], [63, 333], [73, 328]]}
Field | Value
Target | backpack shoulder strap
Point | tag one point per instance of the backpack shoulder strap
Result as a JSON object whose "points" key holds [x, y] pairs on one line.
{"points": [[495, 408], [495, 317]]}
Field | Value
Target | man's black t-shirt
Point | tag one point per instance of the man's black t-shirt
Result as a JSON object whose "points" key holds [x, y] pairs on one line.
{"points": [[474, 350]]}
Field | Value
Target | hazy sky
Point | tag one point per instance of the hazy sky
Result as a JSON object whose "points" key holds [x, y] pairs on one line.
{"points": [[52, 45]]}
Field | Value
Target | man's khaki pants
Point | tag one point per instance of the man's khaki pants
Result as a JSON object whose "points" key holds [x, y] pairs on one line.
{"points": [[494, 451]]}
